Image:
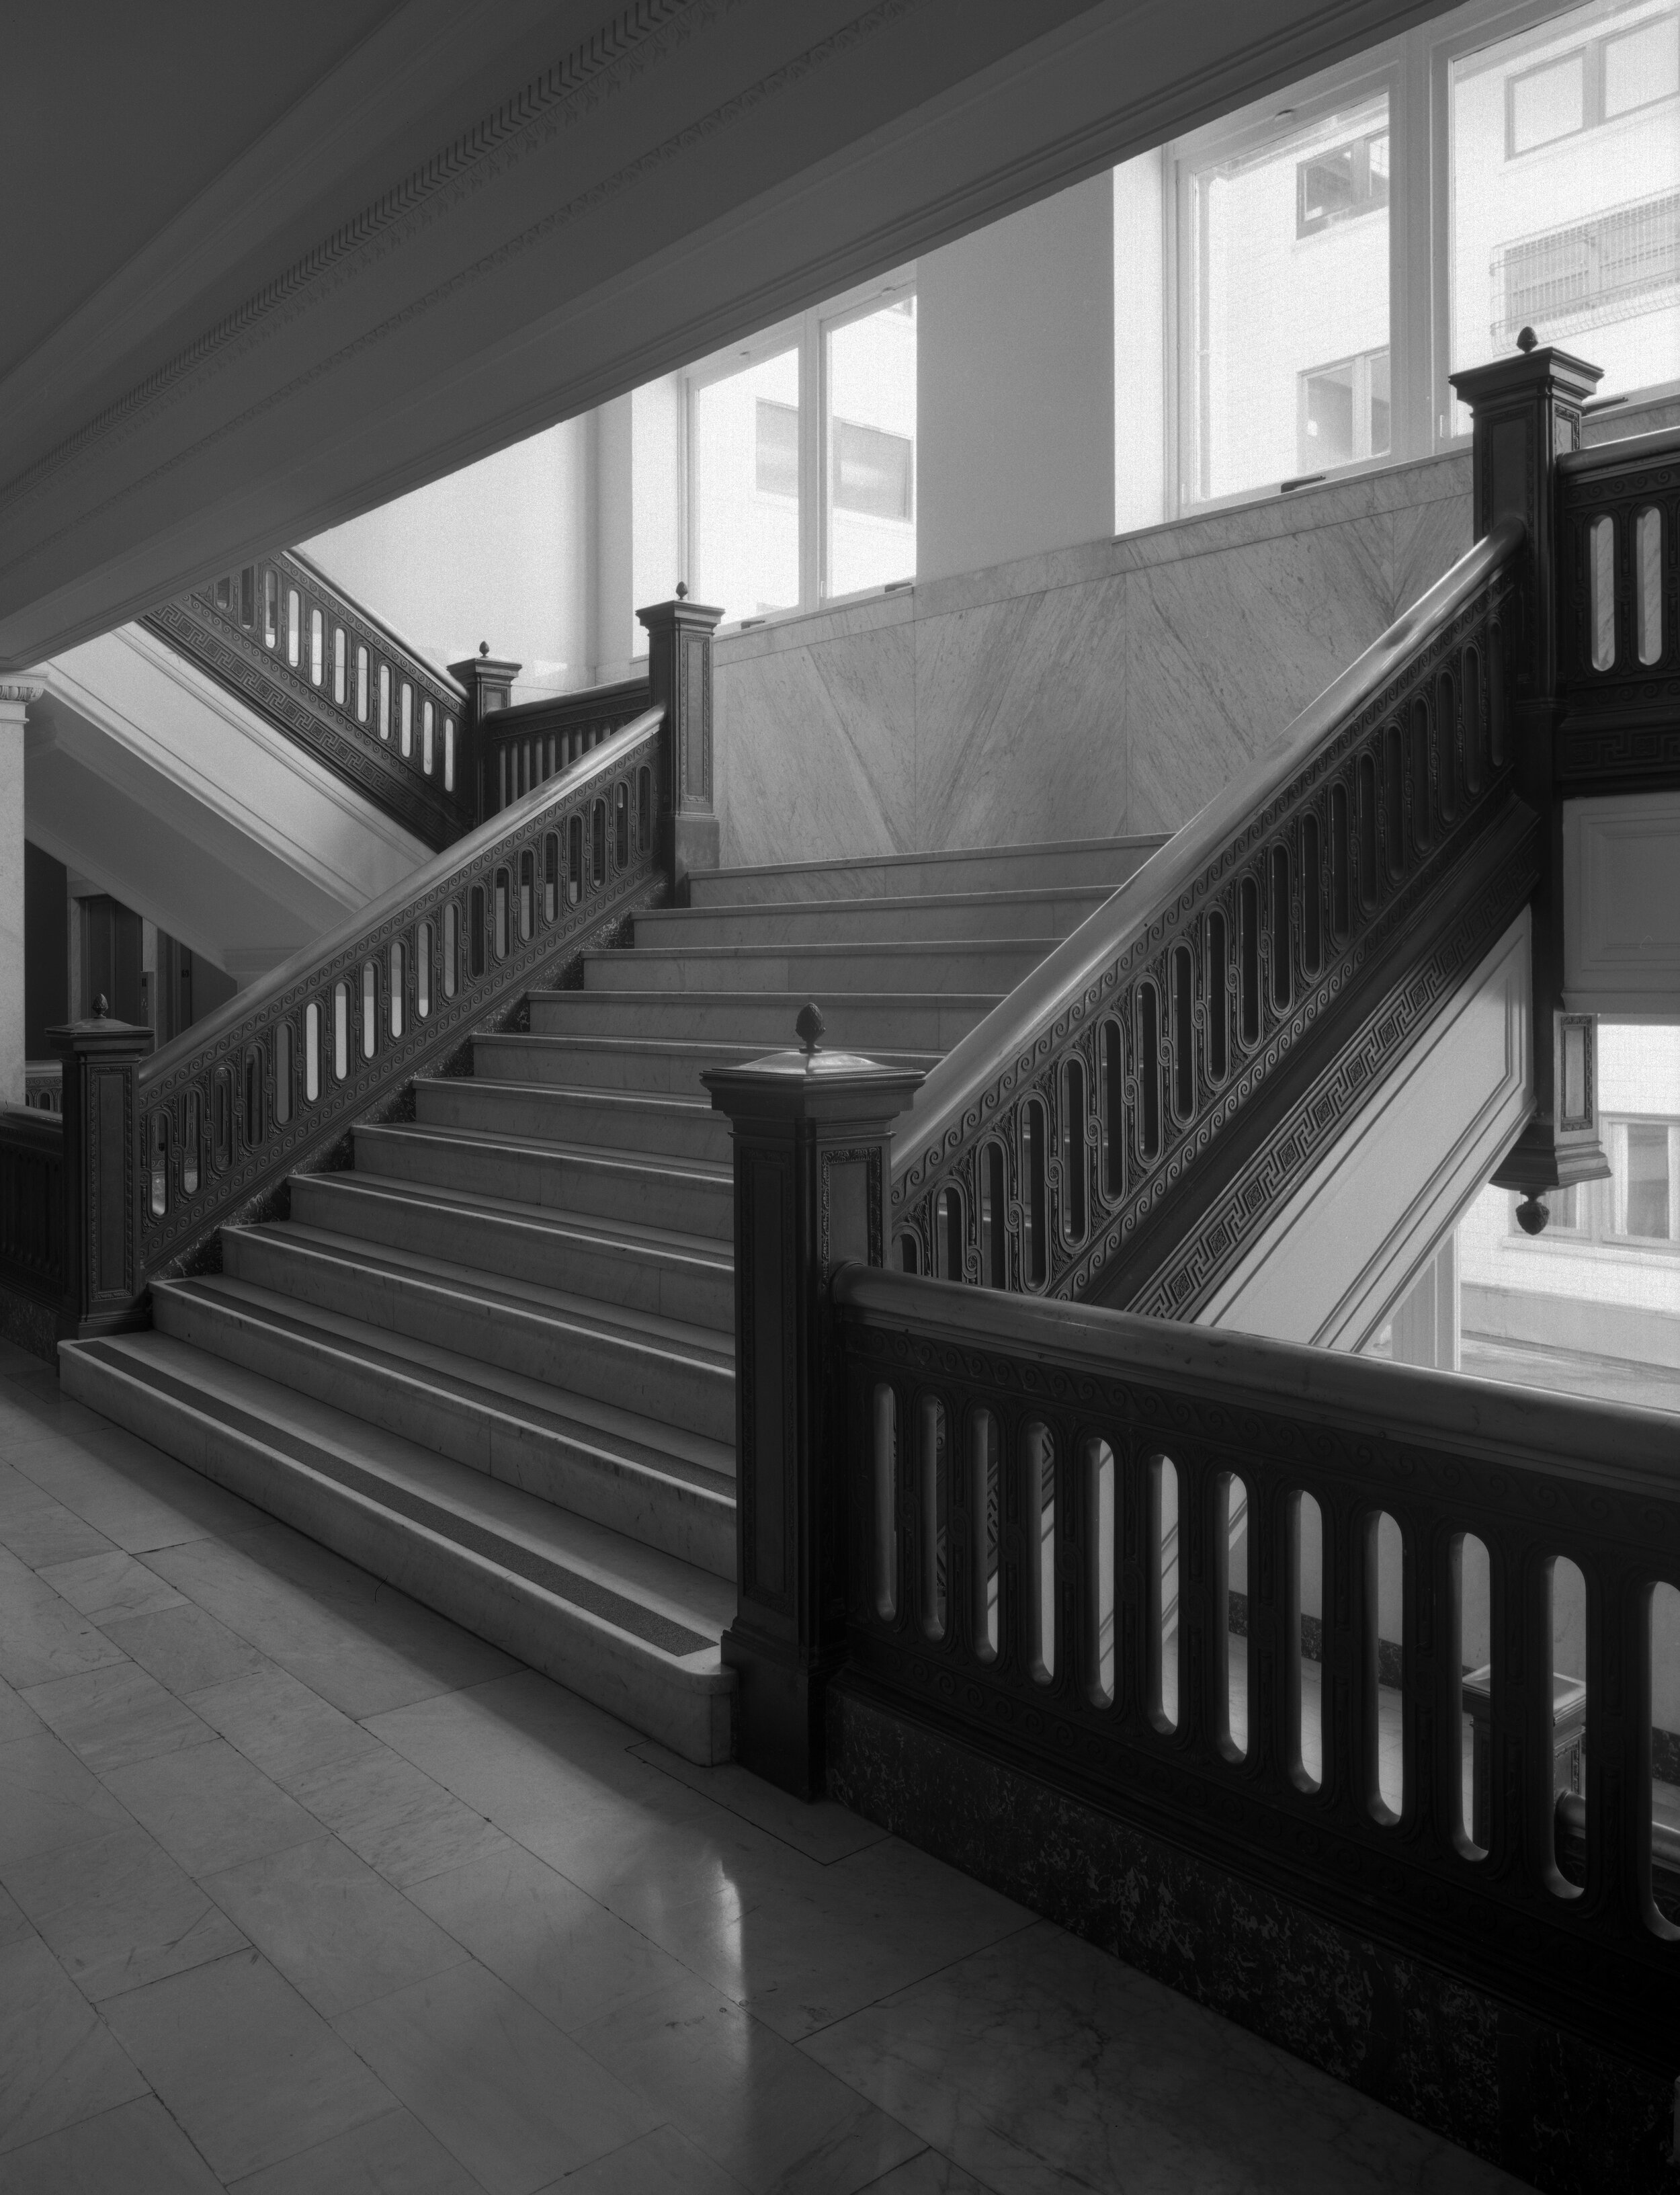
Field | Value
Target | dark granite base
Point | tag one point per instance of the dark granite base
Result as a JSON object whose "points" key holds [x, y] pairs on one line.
{"points": [[1546, 2106], [29, 1323]]}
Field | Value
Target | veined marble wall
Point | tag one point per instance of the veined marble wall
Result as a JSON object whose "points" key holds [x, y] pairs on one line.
{"points": [[1107, 688]]}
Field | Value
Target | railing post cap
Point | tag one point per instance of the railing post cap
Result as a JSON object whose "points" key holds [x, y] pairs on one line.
{"points": [[1544, 367], [98, 1032], [680, 611], [812, 1082]]}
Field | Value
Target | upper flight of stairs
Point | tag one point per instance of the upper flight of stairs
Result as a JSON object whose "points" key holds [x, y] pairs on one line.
{"points": [[494, 1361]]}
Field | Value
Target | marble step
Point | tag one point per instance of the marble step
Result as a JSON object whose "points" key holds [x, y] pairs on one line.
{"points": [[667, 1486], [656, 1065], [634, 1630], [661, 1369], [872, 1022], [1048, 866], [914, 966], [954, 915], [612, 1120], [693, 1196], [650, 1269]]}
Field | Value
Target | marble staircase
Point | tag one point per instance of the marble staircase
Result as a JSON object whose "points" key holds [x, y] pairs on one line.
{"points": [[493, 1362]]}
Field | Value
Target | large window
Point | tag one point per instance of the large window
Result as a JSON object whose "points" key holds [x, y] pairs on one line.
{"points": [[1334, 254], [801, 470]]}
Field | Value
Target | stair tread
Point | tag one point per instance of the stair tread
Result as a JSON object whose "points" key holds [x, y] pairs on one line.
{"points": [[669, 1242], [639, 1589], [647, 1443], [788, 1000], [895, 948], [657, 1047], [709, 1170], [650, 1104], [519, 1298], [1005, 895], [953, 854]]}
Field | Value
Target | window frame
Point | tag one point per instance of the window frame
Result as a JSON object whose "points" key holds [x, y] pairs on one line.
{"points": [[807, 334], [1415, 69]]}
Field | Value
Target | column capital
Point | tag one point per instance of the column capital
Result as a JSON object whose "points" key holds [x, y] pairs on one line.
{"points": [[17, 693]]}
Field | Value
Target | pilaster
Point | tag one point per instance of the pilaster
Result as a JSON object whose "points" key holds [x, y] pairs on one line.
{"points": [[15, 696]]}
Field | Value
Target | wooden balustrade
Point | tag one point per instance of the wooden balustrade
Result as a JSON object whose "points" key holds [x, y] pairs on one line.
{"points": [[1618, 576], [31, 1208], [241, 1098], [1010, 1474], [1042, 1148], [527, 744], [309, 658]]}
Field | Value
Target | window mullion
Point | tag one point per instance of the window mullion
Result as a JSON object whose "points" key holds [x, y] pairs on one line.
{"points": [[813, 487]]}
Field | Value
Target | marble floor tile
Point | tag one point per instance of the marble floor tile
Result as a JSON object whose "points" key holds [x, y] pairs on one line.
{"points": [[1042, 2064], [508, 1746], [209, 1808], [523, 2104], [748, 2099], [52, 1801], [565, 1954], [184, 1647], [137, 2148], [119, 1913], [819, 1830], [14, 1921], [396, 1818], [390, 2155], [361, 1645], [281, 1726], [645, 1848], [663, 2163], [111, 1716], [59, 2061], [337, 1931], [928, 2173], [138, 1498], [105, 1588], [800, 1954], [39, 1530], [43, 1636], [17, 1718], [248, 2071]]}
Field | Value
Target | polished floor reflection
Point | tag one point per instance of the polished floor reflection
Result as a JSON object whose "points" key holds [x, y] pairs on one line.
{"points": [[304, 1888]]}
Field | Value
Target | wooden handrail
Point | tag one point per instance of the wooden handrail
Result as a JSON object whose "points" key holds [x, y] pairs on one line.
{"points": [[1119, 1061]]}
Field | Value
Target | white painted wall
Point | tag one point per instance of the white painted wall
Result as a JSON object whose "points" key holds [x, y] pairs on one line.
{"points": [[502, 550], [1014, 386]]}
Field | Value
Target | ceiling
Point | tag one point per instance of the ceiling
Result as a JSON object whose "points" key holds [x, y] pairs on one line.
{"points": [[266, 267]]}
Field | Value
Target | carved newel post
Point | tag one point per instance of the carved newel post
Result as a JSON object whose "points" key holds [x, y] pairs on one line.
{"points": [[679, 677], [102, 1276], [489, 681], [813, 1167], [1528, 412]]}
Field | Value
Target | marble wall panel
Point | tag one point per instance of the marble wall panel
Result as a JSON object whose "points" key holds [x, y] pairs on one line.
{"points": [[1020, 718], [814, 748], [1226, 649], [1115, 686]]}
